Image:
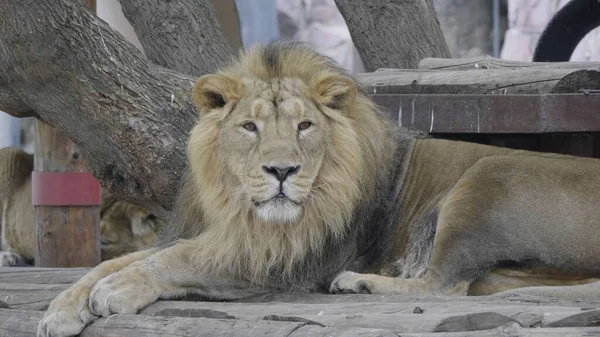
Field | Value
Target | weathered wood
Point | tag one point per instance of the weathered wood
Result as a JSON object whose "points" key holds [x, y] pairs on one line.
{"points": [[16, 323], [488, 62], [513, 330], [347, 311], [394, 33], [29, 296], [304, 314], [588, 318], [397, 316], [66, 236], [585, 79], [182, 35], [473, 322], [494, 114], [491, 81], [22, 275]]}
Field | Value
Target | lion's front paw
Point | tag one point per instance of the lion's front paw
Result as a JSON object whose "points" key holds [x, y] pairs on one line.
{"points": [[349, 282], [10, 259], [67, 315], [125, 292]]}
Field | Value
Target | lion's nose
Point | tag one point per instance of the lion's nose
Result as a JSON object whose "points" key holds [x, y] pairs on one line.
{"points": [[281, 173]]}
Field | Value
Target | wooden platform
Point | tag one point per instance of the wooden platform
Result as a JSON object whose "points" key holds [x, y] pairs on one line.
{"points": [[26, 292]]}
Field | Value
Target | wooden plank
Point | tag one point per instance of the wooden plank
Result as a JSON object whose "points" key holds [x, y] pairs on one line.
{"points": [[513, 330], [67, 236], [300, 314], [23, 323], [23, 275], [394, 316], [29, 296], [488, 62], [494, 114], [491, 81], [16, 323], [405, 314]]}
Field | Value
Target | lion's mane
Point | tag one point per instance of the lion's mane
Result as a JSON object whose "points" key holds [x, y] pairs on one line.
{"points": [[233, 243]]}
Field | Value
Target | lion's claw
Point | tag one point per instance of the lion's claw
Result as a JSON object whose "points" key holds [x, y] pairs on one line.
{"points": [[64, 322], [119, 293]]}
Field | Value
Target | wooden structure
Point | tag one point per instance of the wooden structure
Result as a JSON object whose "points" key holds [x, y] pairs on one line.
{"points": [[553, 108], [67, 200], [28, 291]]}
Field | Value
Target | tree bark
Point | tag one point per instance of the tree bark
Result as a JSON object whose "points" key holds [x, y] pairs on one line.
{"points": [[12, 105], [394, 33], [182, 35], [130, 117]]}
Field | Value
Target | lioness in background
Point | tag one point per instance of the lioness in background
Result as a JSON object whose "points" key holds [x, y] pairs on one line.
{"points": [[296, 181], [124, 227]]}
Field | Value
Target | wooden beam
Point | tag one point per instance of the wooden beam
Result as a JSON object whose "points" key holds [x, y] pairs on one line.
{"points": [[66, 235], [494, 114]]}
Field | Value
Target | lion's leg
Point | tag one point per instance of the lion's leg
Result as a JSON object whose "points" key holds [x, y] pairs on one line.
{"points": [[587, 292], [166, 274], [468, 243], [68, 313]]}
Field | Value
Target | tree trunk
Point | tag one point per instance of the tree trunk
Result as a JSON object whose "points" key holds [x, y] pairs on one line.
{"points": [[182, 35], [467, 26], [130, 117], [394, 33]]}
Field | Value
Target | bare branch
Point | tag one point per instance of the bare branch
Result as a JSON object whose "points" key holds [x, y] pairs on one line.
{"points": [[182, 35], [13, 106]]}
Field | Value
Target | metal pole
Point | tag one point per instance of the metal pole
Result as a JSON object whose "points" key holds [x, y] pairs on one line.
{"points": [[496, 21]]}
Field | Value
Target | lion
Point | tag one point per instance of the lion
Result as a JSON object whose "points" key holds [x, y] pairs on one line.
{"points": [[124, 227], [296, 181]]}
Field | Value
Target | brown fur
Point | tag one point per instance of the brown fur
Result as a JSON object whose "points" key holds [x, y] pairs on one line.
{"points": [[124, 227], [268, 204]]}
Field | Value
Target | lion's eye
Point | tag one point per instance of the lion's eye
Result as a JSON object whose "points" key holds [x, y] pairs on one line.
{"points": [[304, 125], [249, 126]]}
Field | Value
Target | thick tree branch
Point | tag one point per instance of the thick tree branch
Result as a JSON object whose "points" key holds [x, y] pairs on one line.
{"points": [[13, 106], [182, 35], [394, 33], [130, 117]]}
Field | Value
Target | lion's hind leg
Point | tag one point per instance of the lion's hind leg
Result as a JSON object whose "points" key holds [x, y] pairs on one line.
{"points": [[68, 313], [470, 240], [587, 292]]}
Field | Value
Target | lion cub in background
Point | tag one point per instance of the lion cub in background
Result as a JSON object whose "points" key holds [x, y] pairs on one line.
{"points": [[124, 227]]}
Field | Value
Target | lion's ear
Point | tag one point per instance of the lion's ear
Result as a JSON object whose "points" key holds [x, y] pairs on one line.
{"points": [[334, 91], [214, 91]]}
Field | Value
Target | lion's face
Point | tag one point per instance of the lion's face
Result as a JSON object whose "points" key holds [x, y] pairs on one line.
{"points": [[275, 141], [285, 151], [282, 140]]}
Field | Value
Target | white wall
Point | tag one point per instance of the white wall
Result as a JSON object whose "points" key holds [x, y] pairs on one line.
{"points": [[6, 137]]}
